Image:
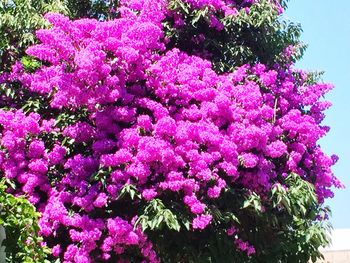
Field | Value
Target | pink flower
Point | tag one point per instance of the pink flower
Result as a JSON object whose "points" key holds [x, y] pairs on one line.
{"points": [[149, 194], [276, 149], [39, 166], [201, 221], [56, 250], [101, 200], [249, 160]]}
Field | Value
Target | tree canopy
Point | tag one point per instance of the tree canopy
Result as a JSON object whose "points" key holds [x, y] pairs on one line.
{"points": [[161, 131]]}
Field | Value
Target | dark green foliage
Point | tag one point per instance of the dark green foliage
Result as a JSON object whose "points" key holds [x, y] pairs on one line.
{"points": [[283, 227], [18, 21], [258, 36], [20, 221], [99, 9]]}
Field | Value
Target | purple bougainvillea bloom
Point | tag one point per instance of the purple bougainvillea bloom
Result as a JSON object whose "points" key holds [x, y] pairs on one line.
{"points": [[134, 116]]}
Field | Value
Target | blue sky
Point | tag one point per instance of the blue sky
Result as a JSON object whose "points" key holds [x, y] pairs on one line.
{"points": [[326, 27]]}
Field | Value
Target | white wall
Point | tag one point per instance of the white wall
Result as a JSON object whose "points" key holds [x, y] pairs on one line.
{"points": [[2, 249], [340, 240]]}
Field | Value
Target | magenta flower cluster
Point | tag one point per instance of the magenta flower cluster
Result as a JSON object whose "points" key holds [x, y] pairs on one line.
{"points": [[160, 120]]}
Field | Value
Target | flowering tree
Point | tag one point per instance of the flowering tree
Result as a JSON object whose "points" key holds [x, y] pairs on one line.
{"points": [[177, 132]]}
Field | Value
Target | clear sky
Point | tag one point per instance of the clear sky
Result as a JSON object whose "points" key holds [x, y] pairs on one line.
{"points": [[326, 26]]}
